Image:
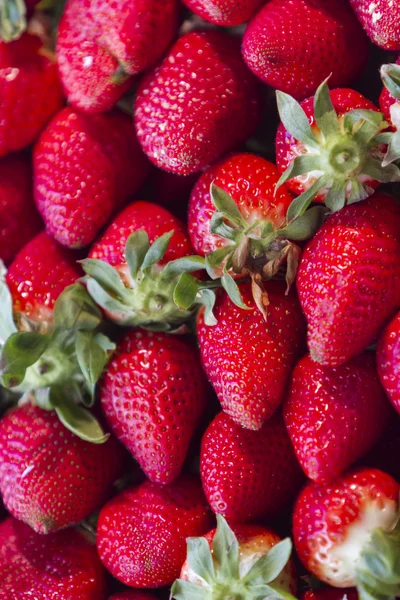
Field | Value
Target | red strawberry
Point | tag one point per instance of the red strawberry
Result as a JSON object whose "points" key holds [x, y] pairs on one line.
{"points": [[141, 534], [225, 13], [153, 394], [331, 594], [295, 45], [345, 533], [132, 595], [335, 415], [248, 475], [380, 20], [29, 90], [50, 478], [86, 167], [19, 221], [349, 279], [186, 107], [388, 357], [97, 52], [64, 565], [248, 360]]}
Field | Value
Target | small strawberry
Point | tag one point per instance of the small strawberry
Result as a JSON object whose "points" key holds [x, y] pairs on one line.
{"points": [[62, 566], [185, 109], [248, 360], [225, 13], [141, 534], [98, 53], [380, 20], [347, 533], [248, 475], [335, 415], [85, 167], [390, 106], [331, 594], [349, 280], [388, 357], [294, 45]]}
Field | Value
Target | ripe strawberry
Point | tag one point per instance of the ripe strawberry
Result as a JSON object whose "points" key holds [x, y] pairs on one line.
{"points": [[185, 108], [225, 13], [64, 565], [248, 360], [388, 357], [348, 280], [97, 54], [331, 594], [141, 534], [295, 45], [19, 221], [30, 92], [380, 20], [335, 415], [85, 167], [153, 394], [132, 595], [248, 475]]}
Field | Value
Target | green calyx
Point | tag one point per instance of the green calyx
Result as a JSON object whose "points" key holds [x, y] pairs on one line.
{"points": [[341, 157], [12, 19], [391, 79]]}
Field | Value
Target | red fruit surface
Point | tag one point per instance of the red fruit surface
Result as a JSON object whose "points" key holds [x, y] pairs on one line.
{"points": [[101, 44], [225, 13], [198, 104], [332, 522], [250, 180], [50, 478], [248, 475], [86, 167], [388, 357], [132, 595], [30, 91], [141, 534], [335, 415], [248, 360], [349, 279], [153, 394], [331, 594], [294, 45], [381, 21], [19, 220]]}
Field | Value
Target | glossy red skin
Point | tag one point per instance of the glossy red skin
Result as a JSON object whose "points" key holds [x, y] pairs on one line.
{"points": [[335, 415], [141, 534], [324, 513], [248, 475], [50, 478], [382, 24], [388, 358], [132, 595], [250, 180], [343, 100], [19, 219], [103, 31], [248, 360], [293, 46], [225, 13], [153, 395], [331, 594], [198, 104], [30, 91], [85, 167], [349, 279]]}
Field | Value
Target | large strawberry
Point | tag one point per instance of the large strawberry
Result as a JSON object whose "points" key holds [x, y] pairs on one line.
{"points": [[225, 13], [97, 52], [335, 415], [294, 45], [85, 168], [248, 475], [347, 533], [141, 534], [380, 20], [388, 357], [61, 566], [198, 104], [349, 279], [248, 360]]}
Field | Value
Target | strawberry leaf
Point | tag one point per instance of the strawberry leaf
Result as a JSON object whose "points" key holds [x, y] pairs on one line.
{"points": [[324, 113], [357, 192], [393, 151], [187, 264], [136, 248], [391, 78], [80, 421], [12, 19], [20, 351], [157, 250], [300, 165], [219, 227], [300, 204], [295, 119], [232, 289], [207, 298], [215, 261], [200, 559], [373, 168], [184, 590], [270, 565], [305, 226], [226, 549], [75, 309], [105, 276], [7, 325], [92, 357], [185, 291], [336, 196], [104, 299], [227, 206]]}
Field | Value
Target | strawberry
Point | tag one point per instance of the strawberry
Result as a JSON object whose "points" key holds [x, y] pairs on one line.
{"points": [[335, 415], [153, 394], [30, 92], [248, 360], [388, 357], [225, 13], [237, 563], [64, 565], [185, 108], [97, 54], [141, 533], [132, 595], [380, 20], [294, 45], [19, 221], [331, 594], [346, 533], [85, 168], [349, 281], [248, 475]]}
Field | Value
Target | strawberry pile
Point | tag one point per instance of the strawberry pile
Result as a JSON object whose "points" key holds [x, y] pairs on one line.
{"points": [[200, 299]]}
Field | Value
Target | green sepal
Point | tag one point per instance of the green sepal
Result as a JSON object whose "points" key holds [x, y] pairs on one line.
{"points": [[105, 275], [226, 549], [187, 264], [7, 324], [200, 559], [393, 150], [324, 113], [185, 291], [305, 226], [136, 248], [295, 119], [157, 250], [21, 350], [270, 565], [80, 421], [373, 168], [184, 590], [300, 166], [92, 356], [13, 21], [219, 227], [233, 291], [336, 196], [75, 309], [369, 123], [207, 299], [300, 204], [226, 206], [390, 75], [104, 299], [214, 261], [357, 192]]}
